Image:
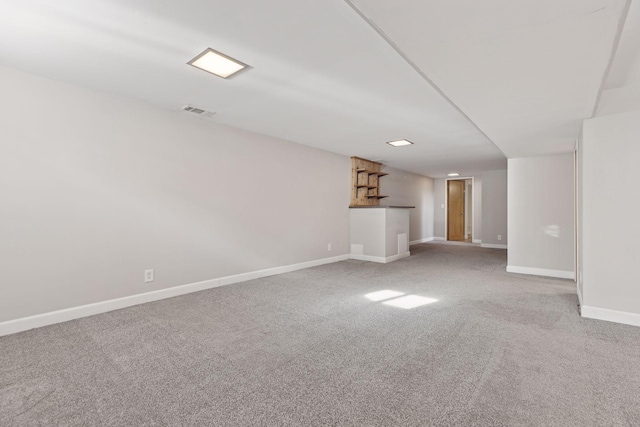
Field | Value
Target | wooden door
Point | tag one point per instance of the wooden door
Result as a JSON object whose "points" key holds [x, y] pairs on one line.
{"points": [[455, 215]]}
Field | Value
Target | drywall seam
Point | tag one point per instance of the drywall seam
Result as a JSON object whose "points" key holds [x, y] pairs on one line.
{"points": [[59, 316]]}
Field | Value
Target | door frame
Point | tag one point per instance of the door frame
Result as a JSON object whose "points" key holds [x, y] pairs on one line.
{"points": [[473, 204]]}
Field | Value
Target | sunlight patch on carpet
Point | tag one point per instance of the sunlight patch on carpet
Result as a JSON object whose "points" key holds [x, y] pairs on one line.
{"points": [[410, 301]]}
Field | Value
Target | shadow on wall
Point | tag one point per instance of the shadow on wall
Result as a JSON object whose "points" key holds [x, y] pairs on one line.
{"points": [[552, 230]]}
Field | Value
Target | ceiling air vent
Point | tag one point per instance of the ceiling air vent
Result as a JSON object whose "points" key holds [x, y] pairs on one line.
{"points": [[198, 111]]}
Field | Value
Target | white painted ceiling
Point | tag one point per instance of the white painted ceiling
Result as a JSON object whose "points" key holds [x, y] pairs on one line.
{"points": [[525, 72], [622, 88], [625, 69]]}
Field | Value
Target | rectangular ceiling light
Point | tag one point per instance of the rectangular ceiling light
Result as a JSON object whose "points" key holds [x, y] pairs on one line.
{"points": [[400, 142], [217, 63]]}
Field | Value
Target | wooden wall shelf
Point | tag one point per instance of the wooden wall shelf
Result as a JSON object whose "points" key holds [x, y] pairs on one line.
{"points": [[365, 184], [372, 172]]}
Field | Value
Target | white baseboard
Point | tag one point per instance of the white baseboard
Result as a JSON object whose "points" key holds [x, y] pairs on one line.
{"points": [[425, 240], [280, 270], [59, 316], [611, 315], [380, 259], [493, 246], [541, 272], [369, 258], [397, 257], [439, 238], [476, 241]]}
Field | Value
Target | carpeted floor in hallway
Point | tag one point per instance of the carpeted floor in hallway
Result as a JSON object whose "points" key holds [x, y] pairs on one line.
{"points": [[309, 348]]}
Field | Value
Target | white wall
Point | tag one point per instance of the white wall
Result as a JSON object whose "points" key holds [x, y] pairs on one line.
{"points": [[541, 216], [609, 202], [367, 228], [96, 189], [494, 207], [608, 157], [409, 189]]}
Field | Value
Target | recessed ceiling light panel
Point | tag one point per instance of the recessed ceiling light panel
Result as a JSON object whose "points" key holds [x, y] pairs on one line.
{"points": [[217, 63], [453, 174], [400, 142]]}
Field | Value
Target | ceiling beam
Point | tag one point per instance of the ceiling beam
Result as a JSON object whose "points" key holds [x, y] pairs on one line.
{"points": [[419, 71], [612, 56]]}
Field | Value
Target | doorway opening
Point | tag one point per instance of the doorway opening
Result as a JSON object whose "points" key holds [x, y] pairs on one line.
{"points": [[459, 215]]}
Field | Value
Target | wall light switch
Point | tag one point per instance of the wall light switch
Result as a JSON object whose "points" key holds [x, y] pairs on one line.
{"points": [[499, 236], [148, 276], [329, 247], [442, 206]]}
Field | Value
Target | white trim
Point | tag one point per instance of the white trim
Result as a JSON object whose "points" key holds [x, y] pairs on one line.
{"points": [[456, 243], [473, 204], [53, 317], [370, 258], [493, 246], [439, 238], [380, 259], [476, 240], [576, 217], [397, 257], [610, 315], [425, 240], [561, 274], [228, 280]]}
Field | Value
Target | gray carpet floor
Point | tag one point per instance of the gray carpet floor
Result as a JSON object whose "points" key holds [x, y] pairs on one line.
{"points": [[307, 348]]}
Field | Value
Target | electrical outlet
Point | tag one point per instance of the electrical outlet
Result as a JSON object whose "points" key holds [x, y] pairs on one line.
{"points": [[499, 236], [329, 247], [148, 276]]}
